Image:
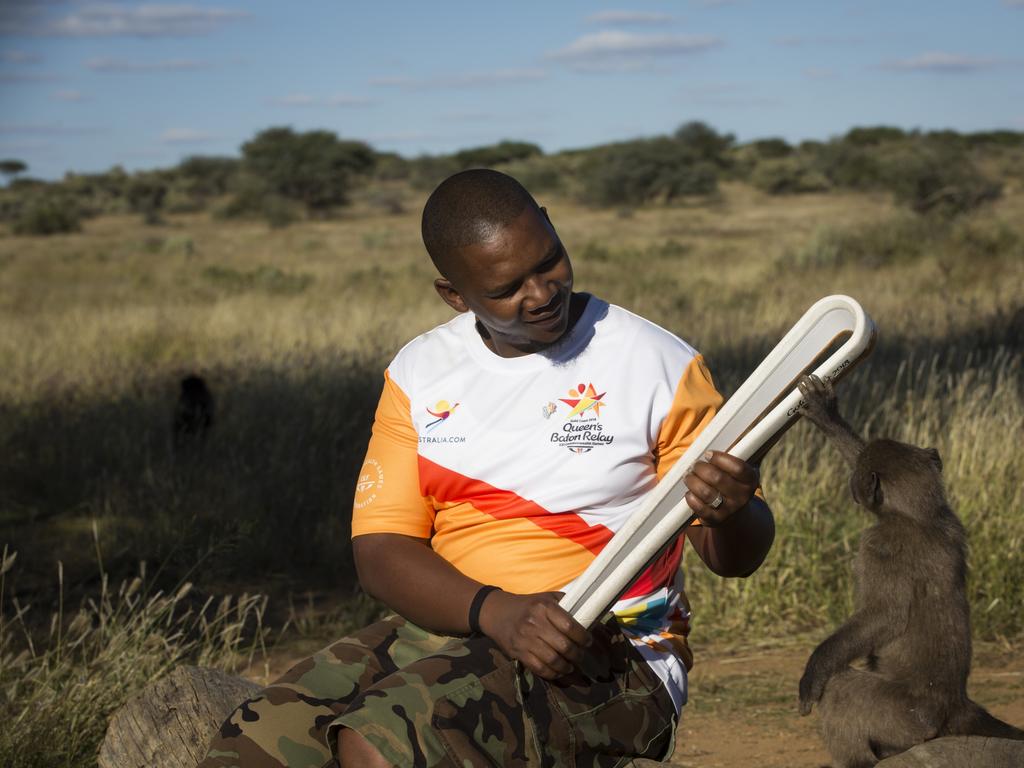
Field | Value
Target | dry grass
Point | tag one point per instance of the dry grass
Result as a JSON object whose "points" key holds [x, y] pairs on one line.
{"points": [[293, 327]]}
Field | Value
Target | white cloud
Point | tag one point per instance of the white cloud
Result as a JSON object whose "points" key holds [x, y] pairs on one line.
{"points": [[465, 80], [146, 20], [941, 61], [628, 17], [622, 51], [68, 95], [185, 136], [121, 66]]}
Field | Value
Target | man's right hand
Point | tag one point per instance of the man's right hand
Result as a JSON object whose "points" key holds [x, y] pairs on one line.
{"points": [[535, 630]]}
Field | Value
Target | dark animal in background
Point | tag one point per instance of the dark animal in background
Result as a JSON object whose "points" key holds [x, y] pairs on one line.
{"points": [[193, 413], [911, 628]]}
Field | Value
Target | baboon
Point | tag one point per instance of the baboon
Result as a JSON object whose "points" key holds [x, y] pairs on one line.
{"points": [[193, 413], [911, 631]]}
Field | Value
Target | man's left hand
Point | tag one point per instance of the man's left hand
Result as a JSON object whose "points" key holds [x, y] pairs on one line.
{"points": [[719, 475]]}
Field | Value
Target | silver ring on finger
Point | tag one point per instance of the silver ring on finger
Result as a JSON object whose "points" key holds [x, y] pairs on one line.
{"points": [[717, 501]]}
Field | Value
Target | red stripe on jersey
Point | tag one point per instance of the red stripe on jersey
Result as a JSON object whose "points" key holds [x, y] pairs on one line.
{"points": [[660, 574], [449, 487]]}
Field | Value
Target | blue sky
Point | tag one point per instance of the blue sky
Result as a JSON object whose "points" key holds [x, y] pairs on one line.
{"points": [[86, 85]]}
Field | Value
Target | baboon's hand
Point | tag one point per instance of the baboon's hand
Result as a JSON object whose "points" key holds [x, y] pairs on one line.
{"points": [[819, 400], [812, 686]]}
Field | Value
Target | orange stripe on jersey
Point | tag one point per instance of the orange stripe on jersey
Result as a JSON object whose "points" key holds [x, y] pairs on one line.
{"points": [[511, 553], [447, 486]]}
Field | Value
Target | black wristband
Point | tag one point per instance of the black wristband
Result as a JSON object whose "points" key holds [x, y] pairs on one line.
{"points": [[476, 605]]}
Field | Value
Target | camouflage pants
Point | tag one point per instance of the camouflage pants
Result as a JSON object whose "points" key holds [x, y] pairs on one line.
{"points": [[429, 700]]}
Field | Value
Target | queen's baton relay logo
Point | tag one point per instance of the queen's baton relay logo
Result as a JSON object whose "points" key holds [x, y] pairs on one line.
{"points": [[582, 430], [440, 413]]}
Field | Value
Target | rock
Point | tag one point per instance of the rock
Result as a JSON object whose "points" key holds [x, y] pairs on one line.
{"points": [[170, 723], [960, 752]]}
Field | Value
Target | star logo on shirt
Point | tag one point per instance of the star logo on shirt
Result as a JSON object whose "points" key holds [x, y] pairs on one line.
{"points": [[582, 399]]}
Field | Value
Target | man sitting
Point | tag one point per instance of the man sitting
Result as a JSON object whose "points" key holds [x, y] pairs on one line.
{"points": [[509, 445]]}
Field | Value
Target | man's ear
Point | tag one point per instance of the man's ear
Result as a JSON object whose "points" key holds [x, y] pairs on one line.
{"points": [[450, 296]]}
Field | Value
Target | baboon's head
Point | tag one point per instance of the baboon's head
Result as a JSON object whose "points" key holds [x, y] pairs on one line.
{"points": [[896, 478]]}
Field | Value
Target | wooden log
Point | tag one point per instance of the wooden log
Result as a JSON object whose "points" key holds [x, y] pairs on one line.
{"points": [[960, 752], [170, 723]]}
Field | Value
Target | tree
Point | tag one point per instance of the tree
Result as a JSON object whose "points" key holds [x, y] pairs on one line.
{"points": [[11, 168], [315, 168], [703, 142]]}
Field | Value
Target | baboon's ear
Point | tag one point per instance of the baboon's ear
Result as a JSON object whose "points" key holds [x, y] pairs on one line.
{"points": [[933, 454]]}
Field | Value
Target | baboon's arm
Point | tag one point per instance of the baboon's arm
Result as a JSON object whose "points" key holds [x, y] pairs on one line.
{"points": [[821, 408], [865, 631]]}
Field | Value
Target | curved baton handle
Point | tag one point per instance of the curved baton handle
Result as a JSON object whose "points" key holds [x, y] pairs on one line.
{"points": [[753, 419]]}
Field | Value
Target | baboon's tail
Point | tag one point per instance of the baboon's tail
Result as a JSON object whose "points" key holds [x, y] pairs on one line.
{"points": [[974, 720]]}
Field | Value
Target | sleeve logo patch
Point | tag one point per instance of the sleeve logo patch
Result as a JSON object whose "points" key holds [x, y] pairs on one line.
{"points": [[371, 480]]}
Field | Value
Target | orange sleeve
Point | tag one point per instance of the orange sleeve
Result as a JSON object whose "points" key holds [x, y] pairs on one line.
{"points": [[387, 497], [695, 403]]}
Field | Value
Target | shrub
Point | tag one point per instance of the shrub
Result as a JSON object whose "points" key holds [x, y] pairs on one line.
{"points": [[872, 136], [849, 165], [645, 170], [427, 171], [48, 215], [787, 176], [146, 193], [495, 154], [208, 175], [901, 238], [938, 178], [315, 168], [540, 175], [254, 198]]}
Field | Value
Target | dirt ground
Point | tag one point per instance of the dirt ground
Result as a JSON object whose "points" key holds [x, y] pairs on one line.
{"points": [[742, 710], [743, 706]]}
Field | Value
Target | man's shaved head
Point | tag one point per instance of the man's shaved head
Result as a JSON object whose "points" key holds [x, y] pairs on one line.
{"points": [[468, 208]]}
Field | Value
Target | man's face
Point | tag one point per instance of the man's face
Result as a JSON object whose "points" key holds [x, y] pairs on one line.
{"points": [[518, 283]]}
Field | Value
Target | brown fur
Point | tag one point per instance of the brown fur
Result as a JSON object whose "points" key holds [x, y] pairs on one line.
{"points": [[911, 628]]}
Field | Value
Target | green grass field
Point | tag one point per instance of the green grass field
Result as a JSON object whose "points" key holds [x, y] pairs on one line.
{"points": [[293, 327]]}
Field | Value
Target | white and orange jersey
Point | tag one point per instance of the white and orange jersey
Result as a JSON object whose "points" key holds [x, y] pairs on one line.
{"points": [[519, 470]]}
